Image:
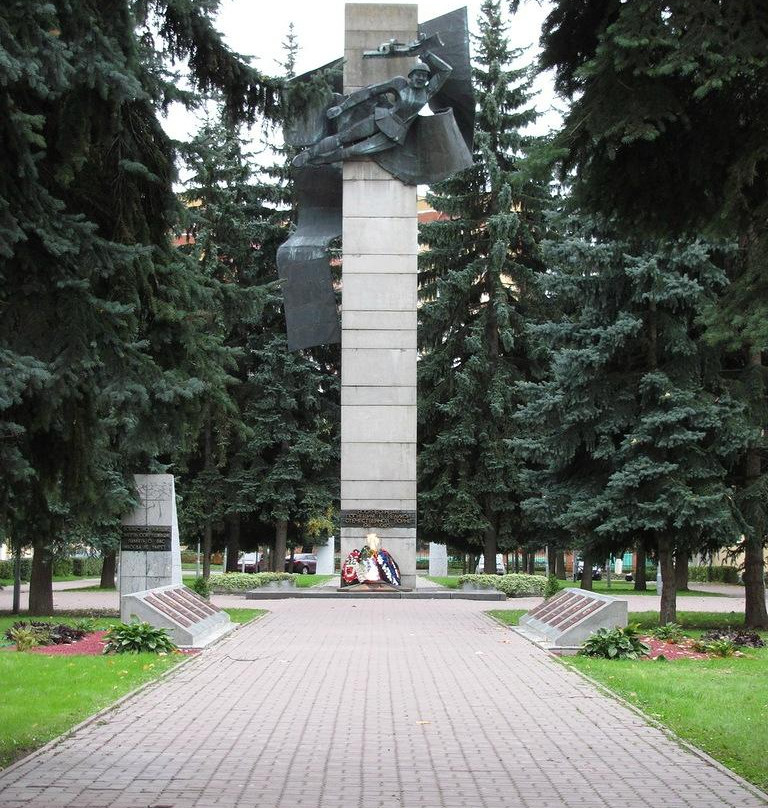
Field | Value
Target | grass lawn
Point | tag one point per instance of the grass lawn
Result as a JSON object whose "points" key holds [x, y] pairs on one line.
{"points": [[44, 696], [448, 581], [719, 705], [618, 586], [305, 581]]}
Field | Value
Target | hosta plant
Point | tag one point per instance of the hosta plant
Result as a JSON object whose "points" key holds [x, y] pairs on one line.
{"points": [[615, 643], [669, 632], [24, 637], [137, 638], [722, 648], [44, 633]]}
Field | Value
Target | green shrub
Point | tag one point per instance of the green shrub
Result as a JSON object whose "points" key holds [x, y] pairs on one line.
{"points": [[25, 637], [6, 569], [721, 575], [670, 632], [62, 566], [236, 581], [137, 638], [201, 586], [86, 624], [722, 648], [552, 588], [514, 585], [89, 567], [615, 643], [38, 632]]}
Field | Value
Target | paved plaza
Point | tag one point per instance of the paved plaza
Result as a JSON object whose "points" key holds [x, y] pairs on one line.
{"points": [[374, 704]]}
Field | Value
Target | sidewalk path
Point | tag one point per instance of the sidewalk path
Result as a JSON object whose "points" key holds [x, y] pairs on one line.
{"points": [[68, 596], [374, 704]]}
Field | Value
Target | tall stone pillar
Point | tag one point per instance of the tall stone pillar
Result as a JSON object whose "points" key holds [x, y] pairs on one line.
{"points": [[378, 343]]}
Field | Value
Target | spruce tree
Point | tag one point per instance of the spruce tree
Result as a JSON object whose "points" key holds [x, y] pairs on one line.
{"points": [[666, 134], [632, 435], [477, 294], [99, 333], [224, 210]]}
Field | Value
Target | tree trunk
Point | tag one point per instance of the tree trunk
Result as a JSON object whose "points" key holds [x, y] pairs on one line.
{"points": [[560, 565], [207, 544], [668, 605], [16, 608], [233, 542], [41, 580], [489, 552], [681, 570], [208, 529], [586, 578], [755, 614], [108, 569], [641, 583], [551, 559], [531, 562], [524, 561], [281, 544]]}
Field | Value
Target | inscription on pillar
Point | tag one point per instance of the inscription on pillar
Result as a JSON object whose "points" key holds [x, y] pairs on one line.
{"points": [[145, 538], [378, 518]]}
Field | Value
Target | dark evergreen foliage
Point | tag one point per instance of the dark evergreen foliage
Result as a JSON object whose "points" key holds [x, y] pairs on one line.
{"points": [[477, 293], [632, 436], [666, 134], [100, 321]]}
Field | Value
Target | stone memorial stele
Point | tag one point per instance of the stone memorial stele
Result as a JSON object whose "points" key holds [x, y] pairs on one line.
{"points": [[570, 617], [150, 570], [150, 555], [438, 559], [325, 557], [364, 149]]}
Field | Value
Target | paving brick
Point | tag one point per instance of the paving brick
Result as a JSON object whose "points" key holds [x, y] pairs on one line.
{"points": [[397, 704]]}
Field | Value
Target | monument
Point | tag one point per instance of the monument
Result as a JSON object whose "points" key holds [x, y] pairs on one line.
{"points": [[150, 570], [564, 621], [364, 150], [150, 555]]}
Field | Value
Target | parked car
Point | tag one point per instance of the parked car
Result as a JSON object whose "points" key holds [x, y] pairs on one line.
{"points": [[304, 563], [597, 572], [500, 568], [249, 562]]}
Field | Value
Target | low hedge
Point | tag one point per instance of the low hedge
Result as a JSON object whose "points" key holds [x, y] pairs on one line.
{"points": [[514, 585], [6, 569], [721, 575], [85, 567], [239, 581]]}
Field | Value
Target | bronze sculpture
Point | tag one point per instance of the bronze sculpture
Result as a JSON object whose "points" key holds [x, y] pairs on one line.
{"points": [[381, 122], [395, 105]]}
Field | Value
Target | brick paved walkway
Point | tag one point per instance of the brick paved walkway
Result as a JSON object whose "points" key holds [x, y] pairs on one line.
{"points": [[374, 704]]}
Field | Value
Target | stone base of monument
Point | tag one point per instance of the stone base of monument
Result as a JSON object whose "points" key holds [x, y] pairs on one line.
{"points": [[191, 621], [372, 586], [363, 591], [562, 623]]}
